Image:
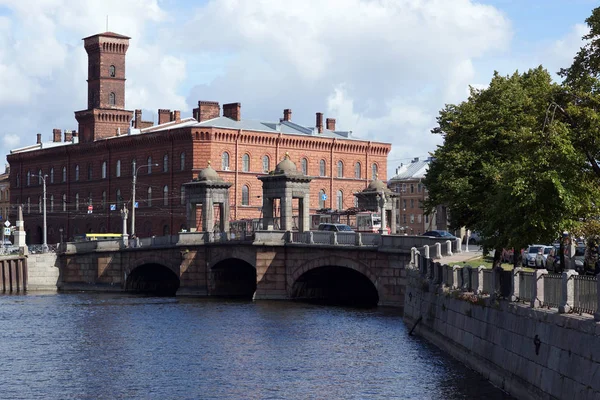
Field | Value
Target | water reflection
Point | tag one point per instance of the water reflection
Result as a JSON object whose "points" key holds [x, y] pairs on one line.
{"points": [[64, 346]]}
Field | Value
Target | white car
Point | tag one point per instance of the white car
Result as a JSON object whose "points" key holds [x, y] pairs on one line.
{"points": [[536, 255]]}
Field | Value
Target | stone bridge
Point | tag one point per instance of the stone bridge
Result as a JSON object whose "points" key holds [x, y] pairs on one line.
{"points": [[343, 268]]}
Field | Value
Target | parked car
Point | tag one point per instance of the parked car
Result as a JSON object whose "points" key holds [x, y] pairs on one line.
{"points": [[535, 255], [335, 227], [440, 234], [579, 259]]}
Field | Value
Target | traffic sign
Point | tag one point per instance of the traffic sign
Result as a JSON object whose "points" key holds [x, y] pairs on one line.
{"points": [[90, 209], [323, 196], [6, 231], [136, 204], [113, 207], [7, 223]]}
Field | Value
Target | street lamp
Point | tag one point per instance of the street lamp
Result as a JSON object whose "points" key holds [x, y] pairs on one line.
{"points": [[133, 196], [45, 233]]}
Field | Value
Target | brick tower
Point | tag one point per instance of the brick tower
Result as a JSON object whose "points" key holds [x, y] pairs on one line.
{"points": [[105, 115]]}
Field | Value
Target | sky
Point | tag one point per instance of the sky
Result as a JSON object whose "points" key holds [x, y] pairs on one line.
{"points": [[382, 68]]}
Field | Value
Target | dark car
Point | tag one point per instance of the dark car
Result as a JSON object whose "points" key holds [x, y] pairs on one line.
{"points": [[440, 234]]}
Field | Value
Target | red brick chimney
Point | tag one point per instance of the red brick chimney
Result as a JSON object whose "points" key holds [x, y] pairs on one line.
{"points": [[208, 110], [319, 123], [233, 111], [138, 119], [67, 136], [330, 124], [164, 116], [176, 116], [287, 114], [39, 138], [56, 135]]}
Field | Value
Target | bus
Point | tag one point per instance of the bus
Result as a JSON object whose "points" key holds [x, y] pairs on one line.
{"points": [[102, 236], [368, 221]]}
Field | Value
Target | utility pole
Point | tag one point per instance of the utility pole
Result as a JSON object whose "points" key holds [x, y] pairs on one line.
{"points": [[133, 196]]}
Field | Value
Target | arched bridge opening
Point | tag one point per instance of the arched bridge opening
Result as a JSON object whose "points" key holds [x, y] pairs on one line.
{"points": [[334, 285], [153, 279], [233, 278]]}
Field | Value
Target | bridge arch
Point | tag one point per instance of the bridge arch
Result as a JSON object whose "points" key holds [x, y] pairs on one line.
{"points": [[334, 279], [243, 253], [232, 277], [152, 275]]}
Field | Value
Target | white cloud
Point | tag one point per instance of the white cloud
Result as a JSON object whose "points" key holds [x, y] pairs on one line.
{"points": [[11, 141]]}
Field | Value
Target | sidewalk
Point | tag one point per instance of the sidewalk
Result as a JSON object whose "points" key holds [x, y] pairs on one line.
{"points": [[474, 252]]}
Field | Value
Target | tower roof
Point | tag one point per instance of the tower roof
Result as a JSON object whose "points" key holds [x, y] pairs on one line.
{"points": [[109, 34]]}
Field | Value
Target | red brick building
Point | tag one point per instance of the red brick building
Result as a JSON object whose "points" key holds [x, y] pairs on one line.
{"points": [[89, 172]]}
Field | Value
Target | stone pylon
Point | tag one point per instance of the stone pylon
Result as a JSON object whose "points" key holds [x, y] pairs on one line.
{"points": [[19, 233]]}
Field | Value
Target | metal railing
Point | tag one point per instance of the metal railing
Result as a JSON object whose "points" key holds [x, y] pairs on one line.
{"points": [[552, 290], [526, 282], [346, 238], [586, 298], [488, 283]]}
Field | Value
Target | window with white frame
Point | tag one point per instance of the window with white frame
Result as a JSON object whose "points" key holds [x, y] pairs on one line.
{"points": [[165, 195], [166, 163], [322, 197], [64, 174], [118, 169], [182, 195], [304, 165], [374, 171], [103, 172], [149, 163], [357, 170], [149, 197], [322, 168], [340, 200], [340, 169], [245, 195], [225, 161], [266, 162], [182, 161], [52, 175], [64, 202], [246, 163], [40, 177]]}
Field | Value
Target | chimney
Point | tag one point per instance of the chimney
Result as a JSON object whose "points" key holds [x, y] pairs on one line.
{"points": [[164, 116], [67, 136], [39, 138], [138, 119], [233, 111], [208, 110], [287, 114], [175, 115], [56, 135], [319, 124], [330, 124]]}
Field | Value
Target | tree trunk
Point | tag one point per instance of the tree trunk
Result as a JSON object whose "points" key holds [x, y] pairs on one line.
{"points": [[497, 263]]}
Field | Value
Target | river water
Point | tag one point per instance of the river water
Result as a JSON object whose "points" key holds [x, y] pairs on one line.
{"points": [[115, 346]]}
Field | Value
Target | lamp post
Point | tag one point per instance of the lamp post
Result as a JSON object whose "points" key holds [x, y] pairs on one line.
{"points": [[45, 233], [133, 196]]}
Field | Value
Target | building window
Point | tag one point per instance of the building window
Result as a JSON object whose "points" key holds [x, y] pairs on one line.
{"points": [[245, 163], [29, 205], [166, 195], [64, 202], [322, 197], [419, 218], [149, 162], [40, 177], [266, 164], [419, 186], [90, 172], [52, 175], [304, 166], [118, 169], [426, 218], [340, 200], [357, 170], [374, 171], [182, 195], [245, 195], [111, 98], [112, 71], [90, 199], [225, 161], [18, 181], [28, 178], [149, 197], [166, 163], [103, 204], [118, 198], [412, 203], [322, 168], [76, 172], [182, 161], [404, 204], [403, 218], [412, 187], [76, 201], [340, 169], [103, 173], [355, 201], [64, 174]]}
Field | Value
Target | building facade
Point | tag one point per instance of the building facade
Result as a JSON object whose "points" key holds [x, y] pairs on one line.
{"points": [[412, 193], [88, 174], [5, 209]]}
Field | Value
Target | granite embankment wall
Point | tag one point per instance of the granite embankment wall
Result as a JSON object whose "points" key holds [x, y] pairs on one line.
{"points": [[530, 353], [42, 272]]}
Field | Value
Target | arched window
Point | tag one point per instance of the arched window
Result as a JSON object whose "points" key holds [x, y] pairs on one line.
{"points": [[149, 162], [322, 168], [118, 198], [374, 171], [340, 200], [245, 163], [28, 178], [304, 166], [166, 163], [355, 201], [76, 201], [182, 161], [40, 204], [266, 163], [112, 71], [18, 181], [52, 175], [166, 195], [76, 172], [90, 172], [340, 169], [111, 99], [182, 195], [322, 198], [40, 176], [64, 174], [118, 169], [103, 173], [29, 205], [245, 195], [103, 204], [225, 161], [64, 202], [357, 169], [149, 196]]}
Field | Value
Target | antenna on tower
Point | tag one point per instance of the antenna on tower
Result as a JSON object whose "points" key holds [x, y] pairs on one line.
{"points": [[107, 23]]}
